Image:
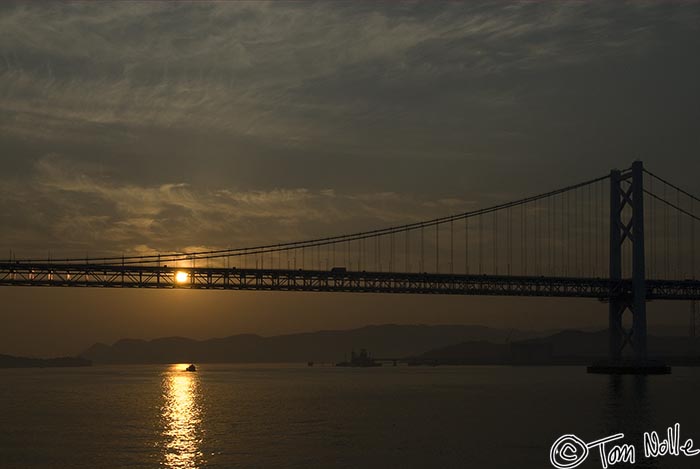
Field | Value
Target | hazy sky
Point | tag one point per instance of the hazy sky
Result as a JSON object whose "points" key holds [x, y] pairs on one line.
{"points": [[136, 127]]}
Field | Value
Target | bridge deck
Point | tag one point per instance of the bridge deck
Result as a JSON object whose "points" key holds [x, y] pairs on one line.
{"points": [[117, 276]]}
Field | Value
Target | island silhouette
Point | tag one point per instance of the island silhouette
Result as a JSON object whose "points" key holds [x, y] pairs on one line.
{"points": [[416, 344]]}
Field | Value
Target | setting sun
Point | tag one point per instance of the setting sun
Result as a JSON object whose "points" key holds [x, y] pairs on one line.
{"points": [[181, 277]]}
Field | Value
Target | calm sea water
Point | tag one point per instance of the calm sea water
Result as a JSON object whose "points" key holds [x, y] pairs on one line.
{"points": [[296, 416]]}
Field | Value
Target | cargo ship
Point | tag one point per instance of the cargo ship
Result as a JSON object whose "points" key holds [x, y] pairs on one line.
{"points": [[362, 359]]}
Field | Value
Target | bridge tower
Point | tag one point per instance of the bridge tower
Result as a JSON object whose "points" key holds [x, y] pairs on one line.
{"points": [[622, 232]]}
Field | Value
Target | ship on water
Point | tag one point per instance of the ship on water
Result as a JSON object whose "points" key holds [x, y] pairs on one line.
{"points": [[362, 359]]}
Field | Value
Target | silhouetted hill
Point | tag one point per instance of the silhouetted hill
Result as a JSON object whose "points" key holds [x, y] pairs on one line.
{"points": [[322, 346], [565, 347], [472, 353], [8, 361]]}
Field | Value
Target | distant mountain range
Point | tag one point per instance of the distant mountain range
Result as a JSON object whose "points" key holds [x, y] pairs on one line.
{"points": [[9, 361], [562, 348], [384, 341], [449, 344]]}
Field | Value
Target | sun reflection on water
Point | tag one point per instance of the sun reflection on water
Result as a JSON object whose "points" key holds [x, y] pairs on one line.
{"points": [[182, 417]]}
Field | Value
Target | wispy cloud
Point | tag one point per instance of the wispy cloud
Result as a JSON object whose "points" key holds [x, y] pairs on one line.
{"points": [[227, 122], [80, 212], [247, 67]]}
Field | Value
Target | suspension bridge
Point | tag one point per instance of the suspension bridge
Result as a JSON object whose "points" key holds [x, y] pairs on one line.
{"points": [[626, 237]]}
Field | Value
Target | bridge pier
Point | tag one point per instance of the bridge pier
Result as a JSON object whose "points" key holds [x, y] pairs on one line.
{"points": [[621, 299], [639, 290], [616, 306]]}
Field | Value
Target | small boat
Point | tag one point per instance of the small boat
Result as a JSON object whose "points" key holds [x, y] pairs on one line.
{"points": [[191, 368]]}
